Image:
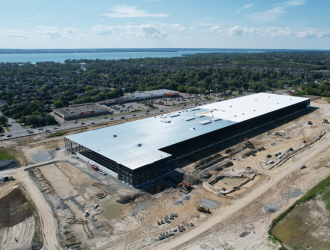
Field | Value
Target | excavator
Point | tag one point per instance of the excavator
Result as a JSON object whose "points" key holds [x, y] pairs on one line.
{"points": [[248, 143], [186, 186], [203, 209]]}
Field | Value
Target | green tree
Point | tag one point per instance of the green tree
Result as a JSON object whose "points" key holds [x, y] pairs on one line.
{"points": [[3, 120], [58, 104]]}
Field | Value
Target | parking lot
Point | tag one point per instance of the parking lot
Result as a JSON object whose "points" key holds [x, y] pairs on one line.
{"points": [[136, 109]]}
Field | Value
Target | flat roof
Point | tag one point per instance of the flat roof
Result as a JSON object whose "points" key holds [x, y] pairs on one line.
{"points": [[81, 108], [156, 92], [160, 131]]}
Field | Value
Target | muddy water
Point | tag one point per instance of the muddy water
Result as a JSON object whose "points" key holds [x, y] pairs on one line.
{"points": [[307, 226], [232, 181], [289, 230], [112, 209]]}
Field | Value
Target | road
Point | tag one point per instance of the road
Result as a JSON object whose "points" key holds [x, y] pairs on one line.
{"points": [[17, 131]]}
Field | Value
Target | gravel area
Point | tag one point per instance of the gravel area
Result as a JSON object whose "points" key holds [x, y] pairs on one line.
{"points": [[209, 203], [272, 207], [7, 164]]}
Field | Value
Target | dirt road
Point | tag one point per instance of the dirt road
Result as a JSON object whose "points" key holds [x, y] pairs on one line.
{"points": [[47, 219], [195, 234]]}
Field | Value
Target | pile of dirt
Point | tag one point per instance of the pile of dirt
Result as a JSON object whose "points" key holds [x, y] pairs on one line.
{"points": [[14, 209], [272, 207], [228, 151], [247, 154], [185, 178], [127, 198], [227, 164], [204, 175]]}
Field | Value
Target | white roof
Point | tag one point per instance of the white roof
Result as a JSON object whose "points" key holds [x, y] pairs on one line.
{"points": [[153, 133]]}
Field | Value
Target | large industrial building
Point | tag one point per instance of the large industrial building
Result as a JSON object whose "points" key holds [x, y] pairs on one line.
{"points": [[136, 152]]}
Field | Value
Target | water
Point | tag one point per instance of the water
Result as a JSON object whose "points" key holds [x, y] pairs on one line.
{"points": [[41, 156], [61, 57], [232, 182], [288, 230]]}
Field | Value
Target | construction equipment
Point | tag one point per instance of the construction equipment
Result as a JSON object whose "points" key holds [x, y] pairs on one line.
{"points": [[325, 121], [186, 186], [203, 209], [95, 167], [248, 142], [309, 123]]}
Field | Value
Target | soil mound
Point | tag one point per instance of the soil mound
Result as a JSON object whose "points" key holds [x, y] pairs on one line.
{"points": [[124, 199], [185, 178], [14, 209], [251, 152], [205, 175]]}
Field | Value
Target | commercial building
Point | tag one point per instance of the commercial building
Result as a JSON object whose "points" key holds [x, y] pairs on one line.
{"points": [[81, 111], [136, 152]]}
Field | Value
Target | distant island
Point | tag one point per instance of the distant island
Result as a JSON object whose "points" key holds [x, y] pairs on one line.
{"points": [[48, 51]]}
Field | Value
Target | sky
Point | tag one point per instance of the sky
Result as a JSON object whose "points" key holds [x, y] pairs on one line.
{"points": [[259, 24]]}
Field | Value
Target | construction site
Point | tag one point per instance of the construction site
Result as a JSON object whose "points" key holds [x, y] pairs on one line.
{"points": [[218, 189]]}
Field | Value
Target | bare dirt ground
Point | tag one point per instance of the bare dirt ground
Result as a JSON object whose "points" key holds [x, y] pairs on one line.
{"points": [[66, 192]]}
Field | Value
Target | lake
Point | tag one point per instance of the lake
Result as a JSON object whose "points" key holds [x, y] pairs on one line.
{"points": [[61, 57]]}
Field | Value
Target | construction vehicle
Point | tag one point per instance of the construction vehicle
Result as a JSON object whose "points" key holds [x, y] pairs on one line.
{"points": [[203, 209], [248, 143], [325, 121], [95, 167], [186, 186], [309, 123]]}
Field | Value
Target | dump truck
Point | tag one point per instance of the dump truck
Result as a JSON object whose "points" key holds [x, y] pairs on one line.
{"points": [[203, 209]]}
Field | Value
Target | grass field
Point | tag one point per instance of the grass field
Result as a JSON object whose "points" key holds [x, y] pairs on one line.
{"points": [[5, 156], [59, 133]]}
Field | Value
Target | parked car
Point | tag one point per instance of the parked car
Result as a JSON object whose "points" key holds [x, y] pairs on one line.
{"points": [[40, 128], [31, 132], [105, 117], [92, 122], [47, 130], [102, 172], [82, 123], [9, 135], [95, 167], [302, 166], [75, 122], [55, 127], [28, 130]]}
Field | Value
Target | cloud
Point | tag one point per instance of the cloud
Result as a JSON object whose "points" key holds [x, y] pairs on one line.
{"points": [[214, 29], [267, 16], [14, 34], [235, 31], [296, 2], [121, 11], [246, 6], [41, 16], [191, 28], [174, 26], [49, 32], [313, 34], [140, 31], [69, 30]]}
